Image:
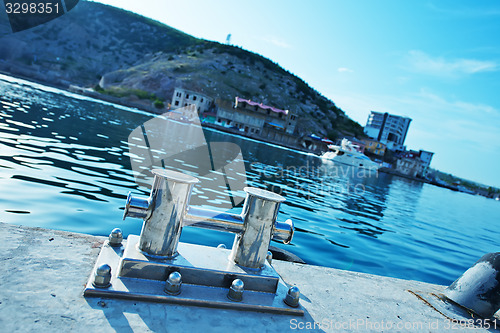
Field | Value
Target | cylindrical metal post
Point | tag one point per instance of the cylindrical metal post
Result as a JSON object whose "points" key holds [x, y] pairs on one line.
{"points": [[259, 214], [168, 204]]}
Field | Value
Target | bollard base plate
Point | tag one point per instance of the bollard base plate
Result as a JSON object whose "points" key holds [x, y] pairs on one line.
{"points": [[207, 274]]}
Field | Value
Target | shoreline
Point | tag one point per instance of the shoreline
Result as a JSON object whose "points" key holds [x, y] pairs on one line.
{"points": [[402, 175], [89, 92]]}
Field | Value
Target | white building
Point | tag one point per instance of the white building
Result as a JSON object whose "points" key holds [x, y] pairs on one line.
{"points": [[259, 120], [410, 166], [184, 97], [388, 129], [426, 157], [415, 163], [254, 117]]}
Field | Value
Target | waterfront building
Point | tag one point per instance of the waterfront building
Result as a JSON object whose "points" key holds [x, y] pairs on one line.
{"points": [[183, 97], [426, 157], [409, 165], [388, 129], [375, 147], [414, 163], [257, 119]]}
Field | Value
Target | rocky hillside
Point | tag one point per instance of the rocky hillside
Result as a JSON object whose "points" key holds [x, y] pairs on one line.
{"points": [[126, 54]]}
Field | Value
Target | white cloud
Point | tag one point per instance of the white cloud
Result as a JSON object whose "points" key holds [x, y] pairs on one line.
{"points": [[421, 62], [344, 70], [277, 42], [457, 108]]}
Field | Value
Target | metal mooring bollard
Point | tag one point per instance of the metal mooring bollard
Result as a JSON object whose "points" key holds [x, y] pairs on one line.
{"points": [[259, 214], [156, 266], [478, 289], [166, 211]]}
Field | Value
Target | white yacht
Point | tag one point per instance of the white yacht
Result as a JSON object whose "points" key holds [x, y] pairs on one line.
{"points": [[347, 153]]}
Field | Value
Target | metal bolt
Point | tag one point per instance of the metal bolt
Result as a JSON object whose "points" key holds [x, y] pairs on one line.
{"points": [[173, 283], [235, 293], [269, 257], [292, 297], [102, 276], [221, 246], [116, 237]]}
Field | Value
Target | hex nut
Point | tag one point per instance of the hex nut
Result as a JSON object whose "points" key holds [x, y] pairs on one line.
{"points": [[235, 293], [102, 276], [292, 297], [173, 283], [116, 237]]}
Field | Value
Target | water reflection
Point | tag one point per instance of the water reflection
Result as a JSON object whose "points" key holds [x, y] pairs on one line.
{"points": [[62, 158], [66, 163], [180, 144]]}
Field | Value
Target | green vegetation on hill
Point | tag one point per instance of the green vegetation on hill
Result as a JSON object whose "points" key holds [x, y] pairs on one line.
{"points": [[457, 181], [126, 92]]}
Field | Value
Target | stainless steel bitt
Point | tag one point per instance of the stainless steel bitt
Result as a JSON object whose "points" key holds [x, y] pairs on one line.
{"points": [[259, 214], [166, 211], [239, 278], [163, 213]]}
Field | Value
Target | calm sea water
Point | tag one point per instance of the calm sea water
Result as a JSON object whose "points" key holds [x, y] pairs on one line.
{"points": [[65, 164]]}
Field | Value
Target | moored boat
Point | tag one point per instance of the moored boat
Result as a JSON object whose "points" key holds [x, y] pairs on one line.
{"points": [[347, 153]]}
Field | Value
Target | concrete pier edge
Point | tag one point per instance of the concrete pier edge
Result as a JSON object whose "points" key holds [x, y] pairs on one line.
{"points": [[44, 272]]}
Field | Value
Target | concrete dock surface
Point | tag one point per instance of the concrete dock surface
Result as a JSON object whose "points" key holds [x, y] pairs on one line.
{"points": [[44, 273]]}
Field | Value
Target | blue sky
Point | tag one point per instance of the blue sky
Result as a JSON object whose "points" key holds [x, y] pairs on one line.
{"points": [[437, 62]]}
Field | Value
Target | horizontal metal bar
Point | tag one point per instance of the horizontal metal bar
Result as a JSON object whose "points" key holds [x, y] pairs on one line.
{"points": [[283, 231], [136, 207], [213, 220]]}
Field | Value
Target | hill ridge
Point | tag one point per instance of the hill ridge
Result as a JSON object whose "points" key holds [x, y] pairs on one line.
{"points": [[96, 44]]}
